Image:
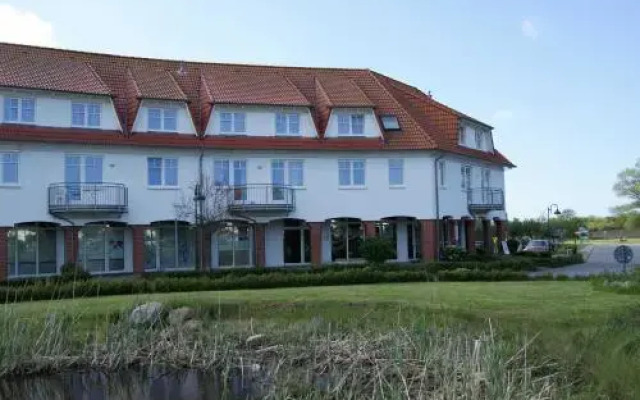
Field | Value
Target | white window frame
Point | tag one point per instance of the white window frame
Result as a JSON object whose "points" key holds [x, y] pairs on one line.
{"points": [[2, 167], [479, 139], [230, 171], [289, 120], [86, 108], [463, 176], [288, 171], [350, 123], [155, 239], [20, 111], [350, 163], [16, 261], [442, 174], [163, 118], [396, 164], [82, 250], [237, 120], [163, 173]]}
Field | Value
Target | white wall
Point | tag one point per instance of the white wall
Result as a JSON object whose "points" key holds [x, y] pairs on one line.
{"points": [[184, 122], [261, 120], [371, 125], [54, 109]]}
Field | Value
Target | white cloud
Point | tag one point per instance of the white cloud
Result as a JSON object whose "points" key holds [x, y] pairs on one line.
{"points": [[21, 26], [529, 29], [502, 116]]}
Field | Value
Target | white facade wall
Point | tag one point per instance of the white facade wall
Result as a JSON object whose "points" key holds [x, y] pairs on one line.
{"points": [[53, 109], [184, 121], [320, 199], [371, 125], [261, 120]]}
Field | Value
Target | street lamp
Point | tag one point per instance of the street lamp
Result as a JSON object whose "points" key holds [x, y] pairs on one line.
{"points": [[556, 212]]}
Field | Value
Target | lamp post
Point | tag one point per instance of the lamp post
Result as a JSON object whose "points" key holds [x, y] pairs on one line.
{"points": [[556, 212], [198, 198]]}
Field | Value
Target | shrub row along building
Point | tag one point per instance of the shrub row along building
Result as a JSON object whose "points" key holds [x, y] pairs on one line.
{"points": [[133, 165]]}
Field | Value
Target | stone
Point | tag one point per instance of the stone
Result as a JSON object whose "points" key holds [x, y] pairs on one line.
{"points": [[146, 314], [181, 315]]}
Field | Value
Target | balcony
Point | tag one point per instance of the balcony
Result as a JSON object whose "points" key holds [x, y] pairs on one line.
{"points": [[87, 198], [485, 200], [261, 198]]}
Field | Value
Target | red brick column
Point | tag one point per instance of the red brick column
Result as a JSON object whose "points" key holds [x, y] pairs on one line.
{"points": [[451, 228], [4, 255], [470, 235], [369, 229], [260, 244], [71, 242], [137, 233], [500, 233], [315, 230], [428, 245], [486, 236], [207, 235]]}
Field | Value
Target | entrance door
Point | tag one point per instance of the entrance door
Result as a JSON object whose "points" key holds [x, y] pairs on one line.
{"points": [[296, 243], [82, 169]]}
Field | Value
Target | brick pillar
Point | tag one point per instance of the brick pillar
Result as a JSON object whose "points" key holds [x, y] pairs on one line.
{"points": [[428, 245], [71, 242], [4, 255], [207, 235], [369, 229], [470, 235], [137, 234], [260, 244], [315, 230], [486, 236], [500, 233]]}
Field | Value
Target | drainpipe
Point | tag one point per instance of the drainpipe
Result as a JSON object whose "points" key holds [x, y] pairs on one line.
{"points": [[437, 183], [199, 198]]}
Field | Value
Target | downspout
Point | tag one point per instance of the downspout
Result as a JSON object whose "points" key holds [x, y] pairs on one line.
{"points": [[437, 191]]}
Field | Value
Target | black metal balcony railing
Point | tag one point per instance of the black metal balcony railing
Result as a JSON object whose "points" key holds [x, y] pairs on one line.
{"points": [[88, 197], [485, 199], [261, 198]]}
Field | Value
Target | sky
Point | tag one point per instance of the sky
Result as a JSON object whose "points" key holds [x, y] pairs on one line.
{"points": [[558, 80]]}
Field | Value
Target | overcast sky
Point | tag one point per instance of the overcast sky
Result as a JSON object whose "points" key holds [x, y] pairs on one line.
{"points": [[559, 80]]}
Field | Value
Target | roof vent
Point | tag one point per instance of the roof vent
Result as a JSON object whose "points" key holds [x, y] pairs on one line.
{"points": [[182, 71], [390, 122]]}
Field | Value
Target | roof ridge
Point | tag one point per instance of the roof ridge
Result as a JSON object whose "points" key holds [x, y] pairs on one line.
{"points": [[323, 91], [426, 136], [296, 89], [178, 60], [361, 91], [186, 98], [135, 84], [93, 71]]}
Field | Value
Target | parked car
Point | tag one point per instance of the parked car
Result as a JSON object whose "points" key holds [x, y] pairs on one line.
{"points": [[537, 246]]}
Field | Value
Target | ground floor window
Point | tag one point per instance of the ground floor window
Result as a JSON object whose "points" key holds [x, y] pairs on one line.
{"points": [[101, 248], [32, 251], [388, 230], [413, 240], [170, 246], [235, 243], [347, 236], [297, 242]]}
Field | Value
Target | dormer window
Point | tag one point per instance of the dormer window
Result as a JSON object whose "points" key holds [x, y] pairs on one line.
{"points": [[479, 139], [162, 119], [19, 109], [232, 122], [86, 114], [390, 122], [350, 124], [288, 124]]}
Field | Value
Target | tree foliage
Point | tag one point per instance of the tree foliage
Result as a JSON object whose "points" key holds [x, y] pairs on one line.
{"points": [[628, 186]]}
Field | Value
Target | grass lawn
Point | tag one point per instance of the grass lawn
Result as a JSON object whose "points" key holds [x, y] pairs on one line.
{"points": [[613, 241]]}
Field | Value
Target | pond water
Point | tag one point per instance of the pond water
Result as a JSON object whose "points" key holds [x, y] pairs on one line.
{"points": [[130, 384]]}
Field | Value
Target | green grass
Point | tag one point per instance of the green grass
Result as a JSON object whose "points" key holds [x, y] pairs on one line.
{"points": [[613, 241]]}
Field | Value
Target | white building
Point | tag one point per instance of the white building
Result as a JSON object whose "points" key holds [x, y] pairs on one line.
{"points": [[100, 156]]}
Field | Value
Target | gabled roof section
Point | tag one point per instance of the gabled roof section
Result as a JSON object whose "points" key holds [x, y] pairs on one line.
{"points": [[339, 91], [19, 69], [156, 84], [253, 86]]}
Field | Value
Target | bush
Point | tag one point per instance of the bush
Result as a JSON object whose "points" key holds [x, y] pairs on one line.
{"points": [[454, 253], [377, 250], [72, 272]]}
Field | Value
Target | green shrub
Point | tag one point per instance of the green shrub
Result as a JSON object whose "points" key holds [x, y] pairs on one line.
{"points": [[377, 250], [454, 253], [72, 272]]}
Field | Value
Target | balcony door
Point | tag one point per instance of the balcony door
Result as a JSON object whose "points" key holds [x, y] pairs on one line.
{"points": [[237, 180], [82, 175], [484, 184]]}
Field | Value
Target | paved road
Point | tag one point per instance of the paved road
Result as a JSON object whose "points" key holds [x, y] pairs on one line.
{"points": [[599, 259]]}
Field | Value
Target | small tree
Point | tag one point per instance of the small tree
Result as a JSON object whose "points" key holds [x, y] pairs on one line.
{"points": [[628, 185], [377, 250]]}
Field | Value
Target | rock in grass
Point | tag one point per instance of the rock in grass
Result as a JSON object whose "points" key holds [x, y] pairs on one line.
{"points": [[146, 314], [181, 315]]}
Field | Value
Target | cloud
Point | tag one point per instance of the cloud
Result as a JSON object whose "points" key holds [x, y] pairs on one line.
{"points": [[502, 115], [529, 29], [21, 26]]}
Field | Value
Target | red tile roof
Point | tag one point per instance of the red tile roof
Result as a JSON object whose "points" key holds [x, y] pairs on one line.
{"points": [[425, 123]]}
